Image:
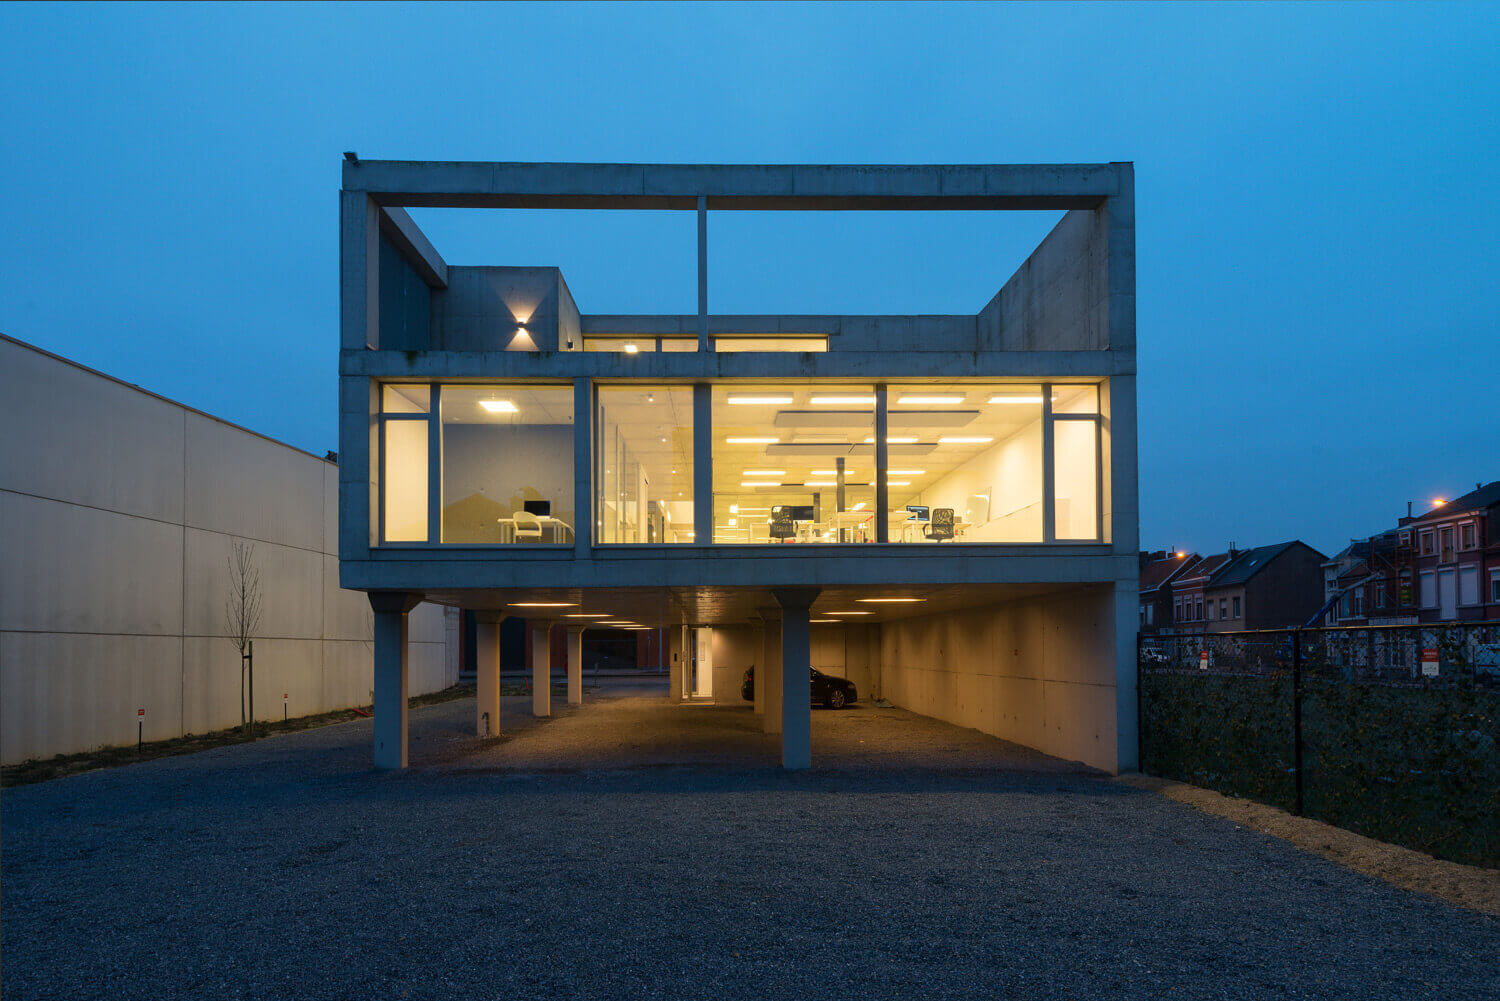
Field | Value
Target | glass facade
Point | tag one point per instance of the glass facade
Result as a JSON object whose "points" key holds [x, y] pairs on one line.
{"points": [[792, 462], [643, 459]]}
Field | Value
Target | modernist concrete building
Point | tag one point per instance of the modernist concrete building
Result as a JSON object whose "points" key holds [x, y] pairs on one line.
{"points": [[941, 507]]}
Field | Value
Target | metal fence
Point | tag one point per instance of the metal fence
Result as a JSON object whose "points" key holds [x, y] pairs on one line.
{"points": [[1390, 731]]}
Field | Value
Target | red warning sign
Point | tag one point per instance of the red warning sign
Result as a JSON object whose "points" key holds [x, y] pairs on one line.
{"points": [[1429, 662]]}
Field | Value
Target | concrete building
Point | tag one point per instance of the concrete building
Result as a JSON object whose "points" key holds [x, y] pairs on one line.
{"points": [[118, 511], [941, 508]]}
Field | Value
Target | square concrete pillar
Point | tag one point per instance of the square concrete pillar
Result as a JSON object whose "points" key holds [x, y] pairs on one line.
{"points": [[487, 675], [796, 675], [575, 665], [676, 667], [390, 608], [541, 669], [770, 720]]}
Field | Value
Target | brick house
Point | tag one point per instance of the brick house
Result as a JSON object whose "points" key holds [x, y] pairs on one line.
{"points": [[1265, 588]]}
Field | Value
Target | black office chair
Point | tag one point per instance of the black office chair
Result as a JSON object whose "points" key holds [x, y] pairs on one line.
{"points": [[940, 528]]}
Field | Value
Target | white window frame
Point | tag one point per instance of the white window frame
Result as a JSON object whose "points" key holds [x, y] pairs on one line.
{"points": [[1495, 586], [1473, 529], [1426, 543]]}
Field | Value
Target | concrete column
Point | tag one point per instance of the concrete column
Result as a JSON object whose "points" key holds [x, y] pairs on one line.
{"points": [[674, 664], [1126, 624], [541, 668], [390, 608], [770, 720], [796, 676], [703, 273], [575, 665], [487, 674]]}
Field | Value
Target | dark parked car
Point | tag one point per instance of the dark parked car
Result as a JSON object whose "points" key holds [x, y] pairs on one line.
{"points": [[835, 693]]}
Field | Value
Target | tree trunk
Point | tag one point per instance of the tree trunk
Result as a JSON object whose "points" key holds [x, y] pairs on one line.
{"points": [[252, 687], [242, 693]]}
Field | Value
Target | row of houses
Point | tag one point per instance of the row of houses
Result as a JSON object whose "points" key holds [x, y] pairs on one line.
{"points": [[1442, 566]]}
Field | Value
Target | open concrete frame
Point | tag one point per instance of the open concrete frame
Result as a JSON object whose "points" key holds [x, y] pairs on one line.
{"points": [[1066, 610]]}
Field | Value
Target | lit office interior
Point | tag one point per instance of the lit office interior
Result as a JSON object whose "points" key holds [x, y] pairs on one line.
{"points": [[644, 458], [792, 463]]}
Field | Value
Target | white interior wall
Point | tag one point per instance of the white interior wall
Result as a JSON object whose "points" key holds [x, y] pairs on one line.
{"points": [[1010, 472], [118, 511]]}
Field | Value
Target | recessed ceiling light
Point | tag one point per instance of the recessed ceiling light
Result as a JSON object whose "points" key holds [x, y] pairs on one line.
{"points": [[843, 401], [978, 439], [888, 601], [760, 483], [544, 604], [587, 615], [822, 620], [759, 401], [849, 613], [751, 441], [498, 406], [898, 483], [932, 400]]}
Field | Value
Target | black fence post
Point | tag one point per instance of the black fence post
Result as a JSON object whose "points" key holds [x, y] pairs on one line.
{"points": [[1297, 720]]}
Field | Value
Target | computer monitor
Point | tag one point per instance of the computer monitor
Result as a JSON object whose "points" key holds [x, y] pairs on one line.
{"points": [[542, 509], [919, 510]]}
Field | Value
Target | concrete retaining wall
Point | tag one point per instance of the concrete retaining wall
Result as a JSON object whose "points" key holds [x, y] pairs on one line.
{"points": [[118, 512]]}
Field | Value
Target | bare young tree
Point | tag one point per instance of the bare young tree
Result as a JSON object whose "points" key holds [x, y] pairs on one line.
{"points": [[242, 616]]}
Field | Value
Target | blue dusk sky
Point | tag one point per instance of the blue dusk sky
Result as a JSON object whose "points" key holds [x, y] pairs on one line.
{"points": [[1316, 197]]}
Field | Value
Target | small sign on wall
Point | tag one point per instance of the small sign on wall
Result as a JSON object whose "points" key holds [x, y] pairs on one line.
{"points": [[1429, 662], [140, 715], [1203, 660]]}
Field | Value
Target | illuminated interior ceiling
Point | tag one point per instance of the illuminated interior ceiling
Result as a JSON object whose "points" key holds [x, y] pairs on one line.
{"points": [[645, 417], [492, 404], [788, 437]]}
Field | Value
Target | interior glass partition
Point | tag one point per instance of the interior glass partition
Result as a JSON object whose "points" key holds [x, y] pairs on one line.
{"points": [[507, 464], [793, 463], [643, 455]]}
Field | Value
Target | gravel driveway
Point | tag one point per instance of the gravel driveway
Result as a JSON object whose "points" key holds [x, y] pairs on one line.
{"points": [[630, 849]]}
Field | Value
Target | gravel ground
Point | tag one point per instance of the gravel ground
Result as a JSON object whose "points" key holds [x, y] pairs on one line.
{"points": [[619, 851]]}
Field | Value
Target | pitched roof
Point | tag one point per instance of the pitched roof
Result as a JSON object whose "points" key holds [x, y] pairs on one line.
{"points": [[1203, 568], [1158, 572], [1253, 562], [1485, 496]]}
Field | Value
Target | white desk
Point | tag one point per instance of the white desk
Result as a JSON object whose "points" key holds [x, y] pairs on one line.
{"points": [[558, 526]]}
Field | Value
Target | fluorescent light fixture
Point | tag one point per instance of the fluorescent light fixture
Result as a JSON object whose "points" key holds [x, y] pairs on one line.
{"points": [[498, 406], [894, 440], [587, 615], [898, 483], [760, 483], [751, 441], [843, 401], [888, 601], [544, 604], [759, 401], [823, 620], [932, 400], [906, 472], [763, 472], [1015, 399], [848, 613], [976, 439]]}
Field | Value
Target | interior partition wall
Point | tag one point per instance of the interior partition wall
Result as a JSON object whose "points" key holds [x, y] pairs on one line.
{"points": [[787, 462]]}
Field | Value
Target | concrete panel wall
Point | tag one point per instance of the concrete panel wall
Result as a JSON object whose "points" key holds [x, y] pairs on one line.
{"points": [[482, 307], [118, 512], [736, 649], [1059, 300], [1040, 672]]}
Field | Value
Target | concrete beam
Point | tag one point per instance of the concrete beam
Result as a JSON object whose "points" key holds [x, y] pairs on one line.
{"points": [[733, 186], [390, 610], [402, 232]]}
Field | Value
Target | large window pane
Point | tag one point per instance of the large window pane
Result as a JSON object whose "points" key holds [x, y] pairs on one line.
{"points": [[644, 449], [508, 464], [969, 455], [1076, 454], [794, 463], [405, 481]]}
